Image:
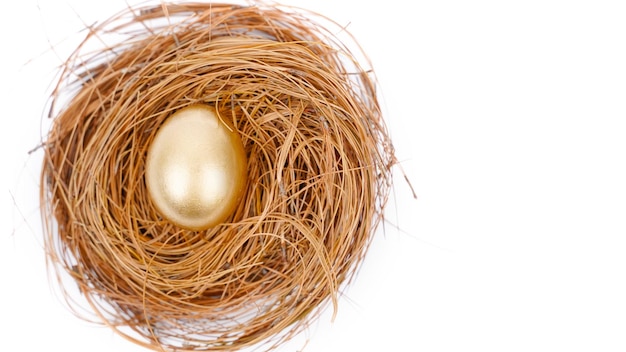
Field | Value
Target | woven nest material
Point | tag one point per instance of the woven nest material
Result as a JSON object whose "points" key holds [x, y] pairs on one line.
{"points": [[319, 161]]}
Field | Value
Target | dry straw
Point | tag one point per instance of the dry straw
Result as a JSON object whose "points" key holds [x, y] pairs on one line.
{"points": [[319, 162]]}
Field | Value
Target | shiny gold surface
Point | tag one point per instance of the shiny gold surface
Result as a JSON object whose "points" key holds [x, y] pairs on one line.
{"points": [[196, 168]]}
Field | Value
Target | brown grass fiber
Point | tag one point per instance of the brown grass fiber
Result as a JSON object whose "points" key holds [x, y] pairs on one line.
{"points": [[319, 165]]}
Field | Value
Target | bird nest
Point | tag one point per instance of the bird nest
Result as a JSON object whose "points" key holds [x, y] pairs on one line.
{"points": [[318, 173]]}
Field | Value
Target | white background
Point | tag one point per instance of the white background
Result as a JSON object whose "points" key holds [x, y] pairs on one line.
{"points": [[509, 118]]}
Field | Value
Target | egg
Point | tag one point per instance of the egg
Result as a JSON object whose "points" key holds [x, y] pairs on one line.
{"points": [[195, 168]]}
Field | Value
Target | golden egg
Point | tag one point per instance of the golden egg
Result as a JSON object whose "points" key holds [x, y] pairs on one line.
{"points": [[195, 168]]}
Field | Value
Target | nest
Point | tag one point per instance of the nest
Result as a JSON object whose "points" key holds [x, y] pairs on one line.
{"points": [[319, 161]]}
